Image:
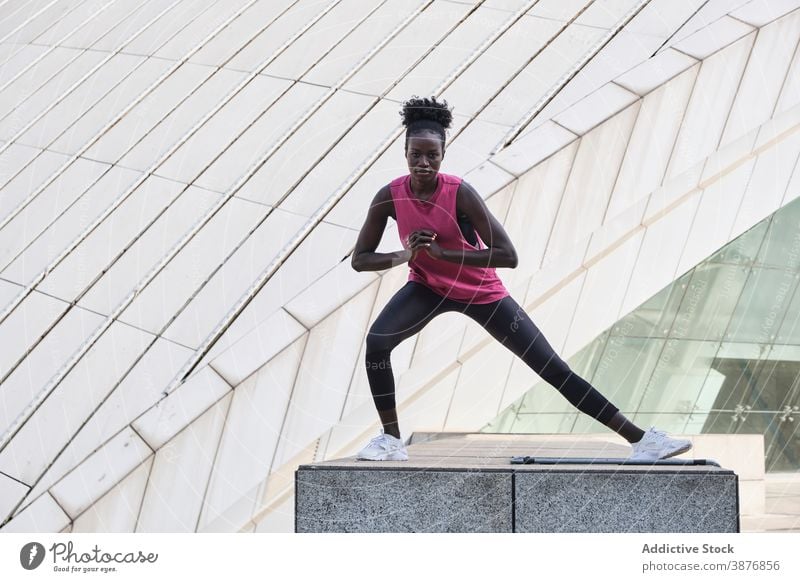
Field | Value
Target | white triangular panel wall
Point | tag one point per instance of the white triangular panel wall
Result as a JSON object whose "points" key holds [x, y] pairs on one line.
{"points": [[156, 158]]}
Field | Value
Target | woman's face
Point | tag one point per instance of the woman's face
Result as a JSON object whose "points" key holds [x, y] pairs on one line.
{"points": [[424, 155]]}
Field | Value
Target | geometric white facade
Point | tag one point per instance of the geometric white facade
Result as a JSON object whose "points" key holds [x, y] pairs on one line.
{"points": [[160, 159]]}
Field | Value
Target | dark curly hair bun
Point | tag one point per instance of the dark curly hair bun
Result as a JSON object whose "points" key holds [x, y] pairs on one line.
{"points": [[426, 114], [416, 109]]}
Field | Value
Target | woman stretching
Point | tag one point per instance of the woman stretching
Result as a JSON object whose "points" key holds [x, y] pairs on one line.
{"points": [[443, 223]]}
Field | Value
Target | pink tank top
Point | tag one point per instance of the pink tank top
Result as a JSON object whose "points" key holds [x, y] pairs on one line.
{"points": [[459, 282]]}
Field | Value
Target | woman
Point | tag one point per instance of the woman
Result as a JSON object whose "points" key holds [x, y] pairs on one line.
{"points": [[443, 223]]}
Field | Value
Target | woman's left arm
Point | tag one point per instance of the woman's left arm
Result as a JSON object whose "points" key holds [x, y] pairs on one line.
{"points": [[500, 251]]}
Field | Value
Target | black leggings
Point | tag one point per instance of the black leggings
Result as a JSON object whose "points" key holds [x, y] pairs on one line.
{"points": [[415, 305]]}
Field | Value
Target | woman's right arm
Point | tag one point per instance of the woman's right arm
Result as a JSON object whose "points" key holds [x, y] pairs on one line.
{"points": [[364, 256]]}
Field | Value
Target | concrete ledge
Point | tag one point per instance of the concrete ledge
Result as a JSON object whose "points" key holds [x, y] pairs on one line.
{"points": [[386, 500], [464, 482], [593, 500]]}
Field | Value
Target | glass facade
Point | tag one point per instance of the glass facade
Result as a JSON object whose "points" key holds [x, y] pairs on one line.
{"points": [[716, 351]]}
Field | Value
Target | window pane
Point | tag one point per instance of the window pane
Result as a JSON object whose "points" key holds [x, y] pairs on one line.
{"points": [[709, 301], [789, 331], [625, 369], [679, 376], [782, 442], [762, 305], [744, 249], [781, 246], [655, 316]]}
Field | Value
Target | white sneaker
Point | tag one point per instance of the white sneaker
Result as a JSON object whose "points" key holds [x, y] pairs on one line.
{"points": [[383, 447], [655, 445]]}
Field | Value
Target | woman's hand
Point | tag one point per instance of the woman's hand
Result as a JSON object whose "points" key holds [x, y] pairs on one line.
{"points": [[434, 250], [423, 239]]}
